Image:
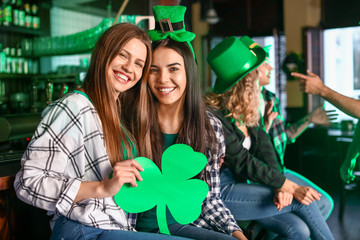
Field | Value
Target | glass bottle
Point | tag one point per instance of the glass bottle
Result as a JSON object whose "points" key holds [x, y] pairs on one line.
{"points": [[2, 60], [7, 13], [15, 12], [28, 15], [21, 13], [35, 15], [1, 13]]}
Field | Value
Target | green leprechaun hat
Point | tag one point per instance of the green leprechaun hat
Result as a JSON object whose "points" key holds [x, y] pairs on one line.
{"points": [[169, 22], [232, 59]]}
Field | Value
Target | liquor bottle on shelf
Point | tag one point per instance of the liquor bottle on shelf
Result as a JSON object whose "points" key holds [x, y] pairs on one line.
{"points": [[28, 15], [13, 60], [34, 66], [34, 108], [19, 59], [35, 14], [6, 51], [21, 13], [7, 13], [26, 46], [15, 13], [1, 13], [2, 60], [49, 89]]}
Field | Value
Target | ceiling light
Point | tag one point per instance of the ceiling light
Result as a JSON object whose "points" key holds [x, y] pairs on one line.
{"points": [[211, 16]]}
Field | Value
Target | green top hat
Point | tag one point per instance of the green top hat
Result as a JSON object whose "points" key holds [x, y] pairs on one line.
{"points": [[169, 22], [232, 59]]}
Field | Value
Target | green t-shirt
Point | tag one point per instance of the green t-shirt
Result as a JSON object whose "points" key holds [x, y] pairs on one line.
{"points": [[146, 221]]}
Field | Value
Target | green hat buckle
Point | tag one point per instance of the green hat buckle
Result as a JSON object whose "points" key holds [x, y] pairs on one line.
{"points": [[232, 59]]}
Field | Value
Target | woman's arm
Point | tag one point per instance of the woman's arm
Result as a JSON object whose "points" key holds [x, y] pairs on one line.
{"points": [[311, 83], [45, 180], [303, 194], [123, 172], [66, 160]]}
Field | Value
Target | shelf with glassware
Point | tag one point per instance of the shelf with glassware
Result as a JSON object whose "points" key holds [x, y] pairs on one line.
{"points": [[83, 42], [20, 13], [17, 68], [22, 30], [31, 93], [42, 89], [19, 24]]}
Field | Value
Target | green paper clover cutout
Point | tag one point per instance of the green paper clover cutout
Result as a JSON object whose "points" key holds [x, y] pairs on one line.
{"points": [[172, 188]]}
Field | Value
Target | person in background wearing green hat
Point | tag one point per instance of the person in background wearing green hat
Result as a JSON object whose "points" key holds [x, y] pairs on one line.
{"points": [[250, 156], [172, 111], [281, 134]]}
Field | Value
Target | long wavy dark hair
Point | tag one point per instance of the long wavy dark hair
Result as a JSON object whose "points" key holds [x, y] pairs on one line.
{"points": [[119, 142], [195, 131]]}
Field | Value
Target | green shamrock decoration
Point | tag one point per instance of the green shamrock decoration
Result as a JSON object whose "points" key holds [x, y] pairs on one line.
{"points": [[172, 188]]}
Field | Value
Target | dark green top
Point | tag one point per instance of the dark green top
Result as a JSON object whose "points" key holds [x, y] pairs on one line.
{"points": [[146, 221], [259, 163]]}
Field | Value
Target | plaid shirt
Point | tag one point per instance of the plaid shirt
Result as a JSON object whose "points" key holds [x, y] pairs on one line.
{"points": [[214, 215], [279, 132], [259, 163], [67, 148]]}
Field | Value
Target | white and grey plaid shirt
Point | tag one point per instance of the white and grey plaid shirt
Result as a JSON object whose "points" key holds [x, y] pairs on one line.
{"points": [[68, 147]]}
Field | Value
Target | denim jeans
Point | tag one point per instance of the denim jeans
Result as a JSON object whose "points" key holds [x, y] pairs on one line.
{"points": [[255, 202], [282, 224], [325, 204], [190, 231], [67, 229]]}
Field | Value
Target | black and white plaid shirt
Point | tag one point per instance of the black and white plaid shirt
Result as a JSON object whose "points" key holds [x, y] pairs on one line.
{"points": [[214, 215], [68, 147]]}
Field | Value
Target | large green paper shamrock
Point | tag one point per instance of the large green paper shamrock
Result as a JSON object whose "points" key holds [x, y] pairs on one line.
{"points": [[172, 188]]}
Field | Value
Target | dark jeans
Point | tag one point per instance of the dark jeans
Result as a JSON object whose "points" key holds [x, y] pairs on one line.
{"points": [[67, 229], [255, 202], [190, 231]]}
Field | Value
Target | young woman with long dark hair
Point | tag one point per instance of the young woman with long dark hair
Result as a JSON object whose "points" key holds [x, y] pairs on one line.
{"points": [[172, 111]]}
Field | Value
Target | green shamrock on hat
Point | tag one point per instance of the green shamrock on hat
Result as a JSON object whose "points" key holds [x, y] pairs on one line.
{"points": [[172, 188]]}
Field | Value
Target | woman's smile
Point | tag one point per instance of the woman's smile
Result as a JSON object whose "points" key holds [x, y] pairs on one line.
{"points": [[121, 76]]}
